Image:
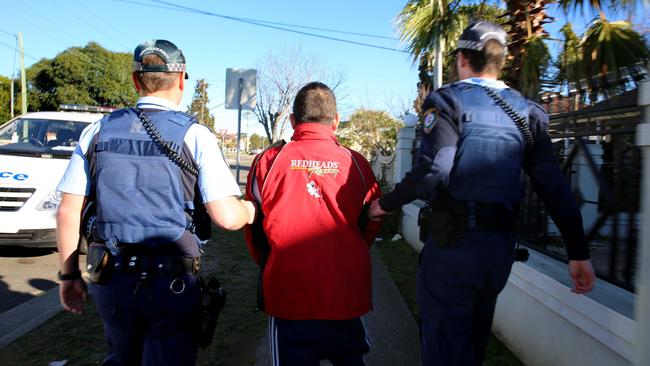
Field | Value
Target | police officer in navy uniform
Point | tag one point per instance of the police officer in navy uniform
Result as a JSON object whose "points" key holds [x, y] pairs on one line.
{"points": [[146, 196], [469, 171]]}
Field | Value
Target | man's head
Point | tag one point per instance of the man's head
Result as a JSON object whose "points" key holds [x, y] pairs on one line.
{"points": [[159, 69], [481, 50], [315, 103]]}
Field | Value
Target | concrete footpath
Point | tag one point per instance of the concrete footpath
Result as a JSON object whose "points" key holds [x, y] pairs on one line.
{"points": [[23, 318], [392, 330], [391, 327]]}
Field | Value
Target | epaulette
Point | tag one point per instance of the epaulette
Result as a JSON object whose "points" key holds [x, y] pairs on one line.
{"points": [[536, 105], [191, 117]]}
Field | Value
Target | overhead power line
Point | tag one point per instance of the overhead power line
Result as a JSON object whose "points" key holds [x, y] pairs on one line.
{"points": [[269, 24], [320, 29], [92, 26], [14, 48], [9, 33]]}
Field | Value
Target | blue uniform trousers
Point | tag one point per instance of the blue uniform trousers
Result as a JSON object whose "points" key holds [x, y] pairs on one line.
{"points": [[150, 325], [306, 342], [457, 288]]}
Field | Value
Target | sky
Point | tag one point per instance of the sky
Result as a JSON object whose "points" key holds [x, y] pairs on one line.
{"points": [[375, 78]]}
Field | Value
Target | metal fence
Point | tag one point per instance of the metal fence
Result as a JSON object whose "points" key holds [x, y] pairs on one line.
{"points": [[593, 128], [593, 131]]}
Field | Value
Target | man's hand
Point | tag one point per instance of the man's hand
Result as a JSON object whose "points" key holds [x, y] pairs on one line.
{"points": [[73, 295], [375, 212], [583, 276]]}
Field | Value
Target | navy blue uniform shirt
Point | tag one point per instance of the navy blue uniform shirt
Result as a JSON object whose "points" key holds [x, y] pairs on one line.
{"points": [[436, 159]]}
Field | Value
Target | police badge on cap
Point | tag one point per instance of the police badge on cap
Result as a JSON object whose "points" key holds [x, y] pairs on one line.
{"points": [[167, 51]]}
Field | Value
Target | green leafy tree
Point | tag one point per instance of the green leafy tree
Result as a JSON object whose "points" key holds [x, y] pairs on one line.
{"points": [[368, 131], [199, 106], [5, 99], [257, 142], [90, 75]]}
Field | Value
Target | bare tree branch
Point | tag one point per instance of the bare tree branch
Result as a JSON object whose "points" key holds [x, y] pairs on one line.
{"points": [[279, 77]]}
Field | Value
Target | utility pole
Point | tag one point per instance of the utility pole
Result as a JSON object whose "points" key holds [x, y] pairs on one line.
{"points": [[23, 79], [11, 92], [439, 45]]}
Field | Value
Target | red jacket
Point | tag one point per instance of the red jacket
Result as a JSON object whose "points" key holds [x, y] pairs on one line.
{"points": [[313, 193]]}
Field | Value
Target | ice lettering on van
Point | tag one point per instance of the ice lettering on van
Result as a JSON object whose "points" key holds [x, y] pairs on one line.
{"points": [[16, 176]]}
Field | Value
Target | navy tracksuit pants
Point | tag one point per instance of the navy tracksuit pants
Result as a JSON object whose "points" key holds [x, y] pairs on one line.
{"points": [[150, 325], [307, 342], [457, 288]]}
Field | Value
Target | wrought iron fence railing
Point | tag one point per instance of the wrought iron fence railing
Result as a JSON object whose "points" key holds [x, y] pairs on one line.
{"points": [[597, 151]]}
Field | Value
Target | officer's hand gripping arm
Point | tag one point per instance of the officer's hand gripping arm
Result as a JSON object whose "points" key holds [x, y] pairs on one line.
{"points": [[231, 213]]}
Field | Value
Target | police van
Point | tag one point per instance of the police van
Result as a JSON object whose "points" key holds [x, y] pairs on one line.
{"points": [[35, 149]]}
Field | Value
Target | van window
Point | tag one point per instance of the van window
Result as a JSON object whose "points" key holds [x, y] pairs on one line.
{"points": [[40, 136]]}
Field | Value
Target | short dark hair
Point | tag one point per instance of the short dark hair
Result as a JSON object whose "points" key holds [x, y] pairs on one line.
{"points": [[155, 81], [490, 60], [315, 103]]}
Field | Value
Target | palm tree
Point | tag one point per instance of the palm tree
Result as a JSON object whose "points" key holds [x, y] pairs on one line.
{"points": [[431, 28], [529, 56], [607, 45], [569, 62]]}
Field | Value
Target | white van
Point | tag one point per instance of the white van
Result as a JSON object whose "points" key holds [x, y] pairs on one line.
{"points": [[34, 152]]}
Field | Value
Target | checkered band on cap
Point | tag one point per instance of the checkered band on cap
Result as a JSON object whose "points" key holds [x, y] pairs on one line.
{"points": [[176, 67], [469, 45], [171, 67]]}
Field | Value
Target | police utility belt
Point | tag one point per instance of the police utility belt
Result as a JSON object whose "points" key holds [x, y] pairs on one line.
{"points": [[446, 220], [101, 264]]}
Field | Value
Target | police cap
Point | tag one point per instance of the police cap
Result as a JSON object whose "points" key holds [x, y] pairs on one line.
{"points": [[167, 51], [478, 33]]}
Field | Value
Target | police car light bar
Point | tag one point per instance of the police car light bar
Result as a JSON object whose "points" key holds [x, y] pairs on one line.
{"points": [[86, 108]]}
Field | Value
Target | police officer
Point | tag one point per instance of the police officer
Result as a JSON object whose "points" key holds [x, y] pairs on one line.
{"points": [[146, 196], [477, 136]]}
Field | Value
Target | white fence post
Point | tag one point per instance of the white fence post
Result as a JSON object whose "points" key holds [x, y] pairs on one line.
{"points": [[642, 310], [403, 152]]}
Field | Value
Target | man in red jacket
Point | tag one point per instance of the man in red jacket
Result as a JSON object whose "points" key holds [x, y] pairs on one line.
{"points": [[312, 237]]}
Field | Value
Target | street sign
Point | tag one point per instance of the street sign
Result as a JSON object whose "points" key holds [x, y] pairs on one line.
{"points": [[246, 79]]}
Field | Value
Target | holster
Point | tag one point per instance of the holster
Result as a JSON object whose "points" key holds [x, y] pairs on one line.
{"points": [[439, 224], [99, 263], [213, 299]]}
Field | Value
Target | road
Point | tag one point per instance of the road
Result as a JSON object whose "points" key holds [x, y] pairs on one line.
{"points": [[27, 272], [245, 161]]}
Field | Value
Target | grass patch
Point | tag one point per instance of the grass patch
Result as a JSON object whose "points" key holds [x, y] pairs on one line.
{"points": [[401, 261], [80, 339]]}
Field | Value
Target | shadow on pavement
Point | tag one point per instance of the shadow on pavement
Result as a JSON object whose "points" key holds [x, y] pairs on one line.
{"points": [[21, 252], [10, 298]]}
